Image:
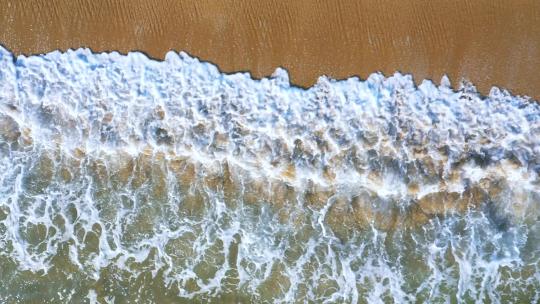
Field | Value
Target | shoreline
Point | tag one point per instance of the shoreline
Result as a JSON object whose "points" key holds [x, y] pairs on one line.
{"points": [[169, 181], [487, 43], [444, 81]]}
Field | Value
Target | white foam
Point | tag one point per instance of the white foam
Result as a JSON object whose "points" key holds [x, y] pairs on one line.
{"points": [[72, 122]]}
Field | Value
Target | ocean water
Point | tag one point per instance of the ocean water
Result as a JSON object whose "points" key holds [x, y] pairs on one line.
{"points": [[129, 180]]}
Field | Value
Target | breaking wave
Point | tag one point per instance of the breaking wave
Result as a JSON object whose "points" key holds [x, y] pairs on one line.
{"points": [[124, 178]]}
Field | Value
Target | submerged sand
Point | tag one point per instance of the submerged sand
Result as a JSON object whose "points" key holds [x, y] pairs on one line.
{"points": [[124, 179], [487, 42]]}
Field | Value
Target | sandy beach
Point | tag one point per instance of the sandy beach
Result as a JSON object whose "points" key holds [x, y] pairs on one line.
{"points": [[486, 42], [125, 179]]}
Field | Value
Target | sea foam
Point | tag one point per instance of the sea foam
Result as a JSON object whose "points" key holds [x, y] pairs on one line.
{"points": [[126, 178]]}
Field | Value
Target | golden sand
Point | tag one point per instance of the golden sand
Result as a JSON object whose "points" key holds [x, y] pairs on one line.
{"points": [[486, 42]]}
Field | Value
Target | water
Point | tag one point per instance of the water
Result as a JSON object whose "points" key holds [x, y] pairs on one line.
{"points": [[124, 179]]}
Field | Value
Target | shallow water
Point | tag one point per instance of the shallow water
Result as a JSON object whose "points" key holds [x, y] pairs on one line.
{"points": [[124, 179]]}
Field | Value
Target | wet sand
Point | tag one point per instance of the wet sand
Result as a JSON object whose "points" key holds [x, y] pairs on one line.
{"points": [[486, 42]]}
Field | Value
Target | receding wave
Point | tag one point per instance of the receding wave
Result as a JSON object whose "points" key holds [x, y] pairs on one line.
{"points": [[125, 179]]}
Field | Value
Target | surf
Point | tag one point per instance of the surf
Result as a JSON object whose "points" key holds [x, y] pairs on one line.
{"points": [[123, 177]]}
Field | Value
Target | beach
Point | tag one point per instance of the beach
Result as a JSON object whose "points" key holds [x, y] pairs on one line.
{"points": [[490, 43], [221, 152]]}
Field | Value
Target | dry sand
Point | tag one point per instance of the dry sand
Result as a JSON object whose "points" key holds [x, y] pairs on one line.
{"points": [[486, 42]]}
